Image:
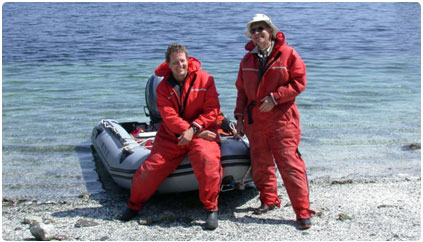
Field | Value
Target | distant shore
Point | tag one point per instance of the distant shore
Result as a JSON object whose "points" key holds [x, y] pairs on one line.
{"points": [[362, 209]]}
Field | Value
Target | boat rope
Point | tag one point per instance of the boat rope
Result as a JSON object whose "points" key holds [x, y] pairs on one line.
{"points": [[232, 127], [127, 143], [236, 136], [241, 185], [144, 142]]}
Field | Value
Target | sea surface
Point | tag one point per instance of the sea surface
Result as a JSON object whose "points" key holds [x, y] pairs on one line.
{"points": [[66, 66]]}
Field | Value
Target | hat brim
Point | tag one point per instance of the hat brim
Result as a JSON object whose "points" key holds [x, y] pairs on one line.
{"points": [[274, 28]]}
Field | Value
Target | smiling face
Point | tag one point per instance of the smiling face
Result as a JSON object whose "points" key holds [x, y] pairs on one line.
{"points": [[261, 34], [178, 65]]}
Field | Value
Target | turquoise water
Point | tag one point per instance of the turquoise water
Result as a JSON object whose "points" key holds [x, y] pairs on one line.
{"points": [[66, 66]]}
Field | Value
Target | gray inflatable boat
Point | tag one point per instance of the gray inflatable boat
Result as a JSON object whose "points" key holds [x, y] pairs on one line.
{"points": [[123, 147]]}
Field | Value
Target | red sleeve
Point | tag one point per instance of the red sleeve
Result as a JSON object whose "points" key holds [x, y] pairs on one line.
{"points": [[210, 108], [297, 82], [241, 100]]}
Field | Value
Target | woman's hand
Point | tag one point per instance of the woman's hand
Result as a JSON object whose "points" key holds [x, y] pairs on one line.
{"points": [[267, 104], [240, 127]]}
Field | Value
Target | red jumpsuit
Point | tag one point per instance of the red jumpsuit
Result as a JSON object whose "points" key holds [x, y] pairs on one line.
{"points": [[274, 136], [200, 109]]}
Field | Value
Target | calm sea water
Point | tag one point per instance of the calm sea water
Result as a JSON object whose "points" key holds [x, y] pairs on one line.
{"points": [[66, 66]]}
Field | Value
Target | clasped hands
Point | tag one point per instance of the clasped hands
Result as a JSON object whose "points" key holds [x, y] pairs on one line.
{"points": [[188, 134]]}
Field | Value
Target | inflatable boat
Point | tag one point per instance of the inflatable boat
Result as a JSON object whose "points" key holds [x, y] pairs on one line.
{"points": [[123, 147]]}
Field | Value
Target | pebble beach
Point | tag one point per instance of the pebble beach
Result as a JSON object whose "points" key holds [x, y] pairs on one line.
{"points": [[363, 210]]}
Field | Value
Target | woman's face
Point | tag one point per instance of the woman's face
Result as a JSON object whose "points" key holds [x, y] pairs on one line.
{"points": [[261, 34]]}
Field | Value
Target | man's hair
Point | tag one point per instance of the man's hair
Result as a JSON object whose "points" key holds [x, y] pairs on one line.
{"points": [[175, 48]]}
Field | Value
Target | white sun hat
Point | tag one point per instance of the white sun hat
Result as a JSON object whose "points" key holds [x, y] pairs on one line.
{"points": [[261, 18]]}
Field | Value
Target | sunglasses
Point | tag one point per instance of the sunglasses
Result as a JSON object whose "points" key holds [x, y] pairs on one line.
{"points": [[259, 29]]}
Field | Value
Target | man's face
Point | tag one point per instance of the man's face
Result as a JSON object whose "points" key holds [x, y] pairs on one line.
{"points": [[178, 65]]}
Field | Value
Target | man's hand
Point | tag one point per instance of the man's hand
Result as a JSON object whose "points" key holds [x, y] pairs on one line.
{"points": [[207, 135], [186, 136]]}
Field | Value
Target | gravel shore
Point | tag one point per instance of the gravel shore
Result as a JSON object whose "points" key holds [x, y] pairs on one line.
{"points": [[362, 209]]}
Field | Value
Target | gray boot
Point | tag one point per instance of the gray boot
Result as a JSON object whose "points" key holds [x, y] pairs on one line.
{"points": [[212, 221], [127, 215]]}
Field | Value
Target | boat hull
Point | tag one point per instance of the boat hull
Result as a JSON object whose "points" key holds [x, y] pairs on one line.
{"points": [[121, 155]]}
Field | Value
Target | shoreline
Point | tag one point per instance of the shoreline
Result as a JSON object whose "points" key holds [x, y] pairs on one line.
{"points": [[351, 209]]}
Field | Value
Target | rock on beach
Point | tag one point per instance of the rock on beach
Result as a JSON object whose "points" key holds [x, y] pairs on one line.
{"points": [[43, 231], [32, 220]]}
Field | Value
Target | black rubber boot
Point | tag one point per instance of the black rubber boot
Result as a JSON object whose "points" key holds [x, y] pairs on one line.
{"points": [[212, 221], [263, 209], [127, 215], [304, 223]]}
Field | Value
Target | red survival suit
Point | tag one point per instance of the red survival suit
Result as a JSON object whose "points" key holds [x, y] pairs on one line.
{"points": [[274, 136], [200, 109]]}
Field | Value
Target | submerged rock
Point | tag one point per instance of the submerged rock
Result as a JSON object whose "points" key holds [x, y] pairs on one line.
{"points": [[84, 195], [413, 146], [8, 202]]}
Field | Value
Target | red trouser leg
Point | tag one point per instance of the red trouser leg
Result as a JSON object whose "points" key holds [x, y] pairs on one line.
{"points": [[262, 166], [204, 156], [277, 142], [293, 172], [292, 168], [163, 160]]}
